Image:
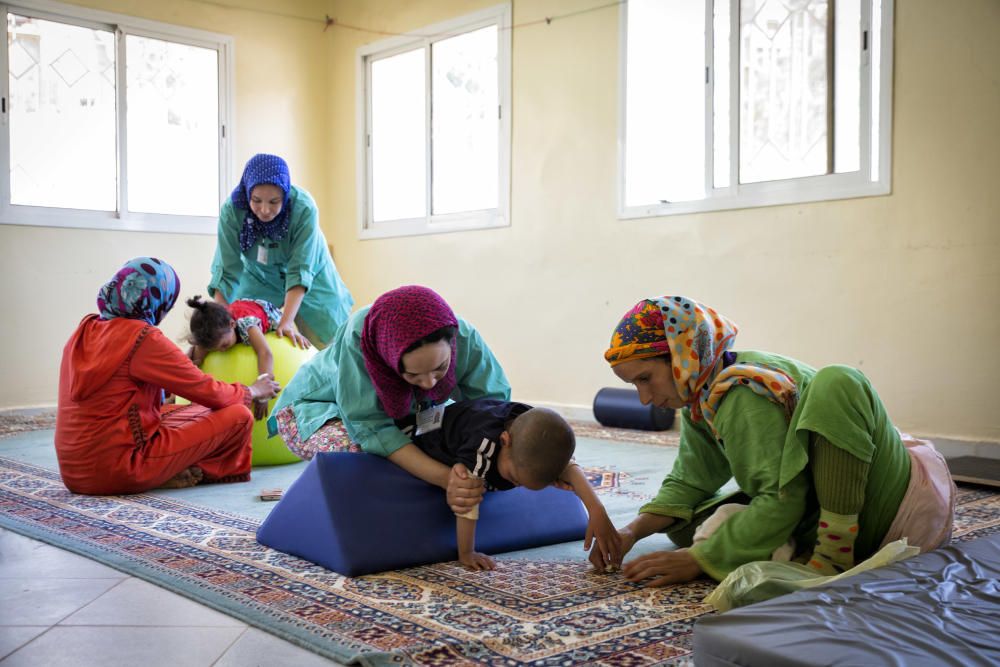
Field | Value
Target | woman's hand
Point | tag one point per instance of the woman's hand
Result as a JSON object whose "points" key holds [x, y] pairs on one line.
{"points": [[259, 409], [464, 490], [663, 567], [264, 389], [289, 330]]}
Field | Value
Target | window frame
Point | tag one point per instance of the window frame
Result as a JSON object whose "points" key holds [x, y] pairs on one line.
{"points": [[848, 185], [120, 219], [499, 15]]}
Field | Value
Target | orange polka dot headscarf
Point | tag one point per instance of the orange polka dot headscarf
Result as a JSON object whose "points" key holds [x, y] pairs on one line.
{"points": [[696, 338]]}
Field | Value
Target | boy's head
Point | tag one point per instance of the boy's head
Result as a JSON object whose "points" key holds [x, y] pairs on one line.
{"points": [[212, 325], [537, 448]]}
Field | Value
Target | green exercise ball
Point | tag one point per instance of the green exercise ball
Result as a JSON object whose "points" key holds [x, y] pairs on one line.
{"points": [[239, 364]]}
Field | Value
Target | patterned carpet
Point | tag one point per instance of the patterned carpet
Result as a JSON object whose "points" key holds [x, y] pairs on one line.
{"points": [[528, 611]]}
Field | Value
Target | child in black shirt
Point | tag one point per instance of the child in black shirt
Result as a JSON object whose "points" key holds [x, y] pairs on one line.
{"points": [[509, 444]]}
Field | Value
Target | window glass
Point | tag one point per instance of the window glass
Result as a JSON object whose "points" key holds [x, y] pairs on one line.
{"points": [[398, 136], [464, 132], [62, 115], [172, 121]]}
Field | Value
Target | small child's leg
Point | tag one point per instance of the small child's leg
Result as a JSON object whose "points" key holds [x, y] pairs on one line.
{"points": [[840, 481]]}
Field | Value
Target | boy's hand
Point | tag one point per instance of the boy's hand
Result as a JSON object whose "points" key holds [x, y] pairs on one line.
{"points": [[663, 567], [464, 490], [477, 561], [609, 550]]}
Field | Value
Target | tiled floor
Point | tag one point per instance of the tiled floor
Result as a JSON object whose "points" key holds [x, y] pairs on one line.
{"points": [[58, 608]]}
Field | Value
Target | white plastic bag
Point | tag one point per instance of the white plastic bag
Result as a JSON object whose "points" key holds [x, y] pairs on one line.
{"points": [[763, 580]]}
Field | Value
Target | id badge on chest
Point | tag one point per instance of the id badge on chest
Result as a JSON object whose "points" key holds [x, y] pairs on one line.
{"points": [[429, 419], [262, 254]]}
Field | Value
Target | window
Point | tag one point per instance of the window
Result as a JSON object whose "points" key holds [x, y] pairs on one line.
{"points": [[435, 129], [112, 122], [741, 103]]}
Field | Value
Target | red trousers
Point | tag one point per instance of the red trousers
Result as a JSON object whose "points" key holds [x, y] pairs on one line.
{"points": [[217, 441]]}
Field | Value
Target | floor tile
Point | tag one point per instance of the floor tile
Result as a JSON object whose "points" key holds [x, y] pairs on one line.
{"points": [[137, 602], [23, 557], [34, 601], [124, 647], [260, 649], [13, 637]]}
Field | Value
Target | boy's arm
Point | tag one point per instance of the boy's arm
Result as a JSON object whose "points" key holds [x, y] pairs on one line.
{"points": [[465, 530], [265, 360], [609, 550]]}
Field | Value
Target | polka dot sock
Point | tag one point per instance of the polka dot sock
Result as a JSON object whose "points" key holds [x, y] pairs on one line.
{"points": [[834, 552]]}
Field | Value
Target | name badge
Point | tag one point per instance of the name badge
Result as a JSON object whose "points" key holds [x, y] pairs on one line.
{"points": [[262, 254], [429, 419]]}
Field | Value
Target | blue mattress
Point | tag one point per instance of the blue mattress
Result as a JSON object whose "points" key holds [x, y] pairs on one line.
{"points": [[938, 608]]}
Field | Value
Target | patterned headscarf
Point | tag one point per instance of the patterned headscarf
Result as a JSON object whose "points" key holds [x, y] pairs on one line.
{"points": [[145, 288], [395, 321], [696, 338], [262, 169]]}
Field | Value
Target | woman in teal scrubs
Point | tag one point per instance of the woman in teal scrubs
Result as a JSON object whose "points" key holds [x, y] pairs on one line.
{"points": [[271, 248]]}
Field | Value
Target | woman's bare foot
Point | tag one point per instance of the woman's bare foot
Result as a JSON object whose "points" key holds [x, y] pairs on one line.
{"points": [[184, 479]]}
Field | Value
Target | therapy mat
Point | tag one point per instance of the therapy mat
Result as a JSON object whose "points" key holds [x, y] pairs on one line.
{"points": [[938, 608], [359, 513]]}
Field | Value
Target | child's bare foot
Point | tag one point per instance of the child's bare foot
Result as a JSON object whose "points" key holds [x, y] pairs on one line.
{"points": [[184, 479]]}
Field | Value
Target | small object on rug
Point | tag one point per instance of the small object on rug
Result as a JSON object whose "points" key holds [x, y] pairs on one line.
{"points": [[271, 494]]}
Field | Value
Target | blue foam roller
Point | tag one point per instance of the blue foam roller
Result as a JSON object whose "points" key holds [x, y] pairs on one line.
{"points": [[359, 513], [622, 408]]}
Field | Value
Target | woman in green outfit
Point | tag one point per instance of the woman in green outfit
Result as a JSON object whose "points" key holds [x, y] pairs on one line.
{"points": [[272, 249], [406, 353], [813, 453]]}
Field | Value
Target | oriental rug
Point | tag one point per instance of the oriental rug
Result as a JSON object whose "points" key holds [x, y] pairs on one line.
{"points": [[540, 607]]}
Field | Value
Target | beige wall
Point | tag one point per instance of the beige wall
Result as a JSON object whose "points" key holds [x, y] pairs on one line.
{"points": [[906, 286]]}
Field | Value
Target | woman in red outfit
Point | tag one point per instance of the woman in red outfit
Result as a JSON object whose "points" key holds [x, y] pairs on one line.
{"points": [[114, 435]]}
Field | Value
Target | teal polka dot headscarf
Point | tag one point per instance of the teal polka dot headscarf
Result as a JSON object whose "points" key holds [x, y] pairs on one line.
{"points": [[145, 288]]}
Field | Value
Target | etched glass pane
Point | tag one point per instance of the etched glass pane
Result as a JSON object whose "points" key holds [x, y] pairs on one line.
{"points": [[62, 115], [847, 84], [465, 124], [665, 102], [173, 125], [720, 94], [399, 137], [784, 106]]}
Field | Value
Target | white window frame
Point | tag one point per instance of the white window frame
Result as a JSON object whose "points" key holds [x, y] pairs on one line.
{"points": [[499, 15], [869, 180], [121, 219]]}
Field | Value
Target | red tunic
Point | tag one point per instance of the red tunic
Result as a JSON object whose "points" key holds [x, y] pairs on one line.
{"points": [[112, 433]]}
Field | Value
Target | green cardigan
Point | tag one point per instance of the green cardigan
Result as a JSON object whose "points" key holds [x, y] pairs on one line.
{"points": [[768, 456], [334, 384]]}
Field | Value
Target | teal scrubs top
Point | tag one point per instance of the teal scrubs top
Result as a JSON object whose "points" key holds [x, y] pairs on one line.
{"points": [[268, 269], [335, 384]]}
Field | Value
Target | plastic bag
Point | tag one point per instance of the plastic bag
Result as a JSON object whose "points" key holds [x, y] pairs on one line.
{"points": [[763, 580]]}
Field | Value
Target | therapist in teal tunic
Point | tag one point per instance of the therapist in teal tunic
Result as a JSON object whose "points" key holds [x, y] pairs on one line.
{"points": [[271, 248], [406, 353]]}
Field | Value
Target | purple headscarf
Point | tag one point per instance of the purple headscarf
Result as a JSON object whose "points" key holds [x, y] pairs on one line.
{"points": [[395, 321]]}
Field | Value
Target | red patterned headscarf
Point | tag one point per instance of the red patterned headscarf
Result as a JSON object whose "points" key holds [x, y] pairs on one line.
{"points": [[395, 321], [696, 338]]}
